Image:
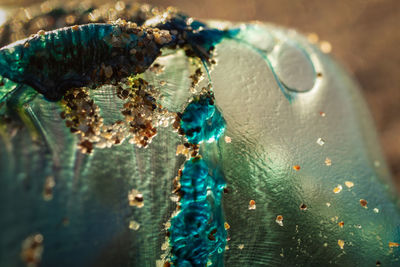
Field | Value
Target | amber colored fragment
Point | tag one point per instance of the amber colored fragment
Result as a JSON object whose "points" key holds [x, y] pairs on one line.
{"points": [[252, 205], [394, 245], [340, 243], [337, 189], [363, 203], [227, 226], [296, 167], [341, 224], [279, 220]]}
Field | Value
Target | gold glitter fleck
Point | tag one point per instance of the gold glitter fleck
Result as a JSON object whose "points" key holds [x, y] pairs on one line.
{"points": [[337, 189], [340, 243], [227, 226], [328, 162], [252, 205]]}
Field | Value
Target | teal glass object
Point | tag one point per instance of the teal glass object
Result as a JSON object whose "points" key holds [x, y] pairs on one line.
{"points": [[290, 140]]}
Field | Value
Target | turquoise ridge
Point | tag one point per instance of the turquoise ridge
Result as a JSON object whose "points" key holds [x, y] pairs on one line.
{"points": [[197, 232], [201, 121]]}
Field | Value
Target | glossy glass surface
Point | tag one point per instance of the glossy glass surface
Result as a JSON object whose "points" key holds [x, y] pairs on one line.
{"points": [[306, 184]]}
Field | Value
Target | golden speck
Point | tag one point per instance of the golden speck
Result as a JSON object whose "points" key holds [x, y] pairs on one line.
{"points": [[279, 220], [135, 198], [363, 203], [296, 167], [341, 224], [340, 243], [393, 244], [326, 47], [337, 189], [70, 19], [241, 246], [32, 249], [227, 226], [328, 162], [133, 225], [75, 27], [228, 139], [252, 205], [313, 37], [349, 184]]}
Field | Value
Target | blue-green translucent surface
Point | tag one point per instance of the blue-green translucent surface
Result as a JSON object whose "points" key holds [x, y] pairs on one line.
{"points": [[87, 221]]}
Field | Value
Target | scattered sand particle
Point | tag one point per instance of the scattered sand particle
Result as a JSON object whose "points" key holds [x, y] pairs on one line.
{"points": [[227, 226], [135, 198], [328, 204], [228, 139], [320, 141], [133, 225], [312, 37], [340, 243], [326, 47], [337, 189], [279, 220], [296, 167], [252, 205], [328, 162], [349, 184], [32, 250], [376, 210], [363, 203], [341, 224], [241, 246]]}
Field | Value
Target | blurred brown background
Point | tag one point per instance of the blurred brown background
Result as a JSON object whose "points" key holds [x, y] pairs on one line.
{"points": [[365, 38]]}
